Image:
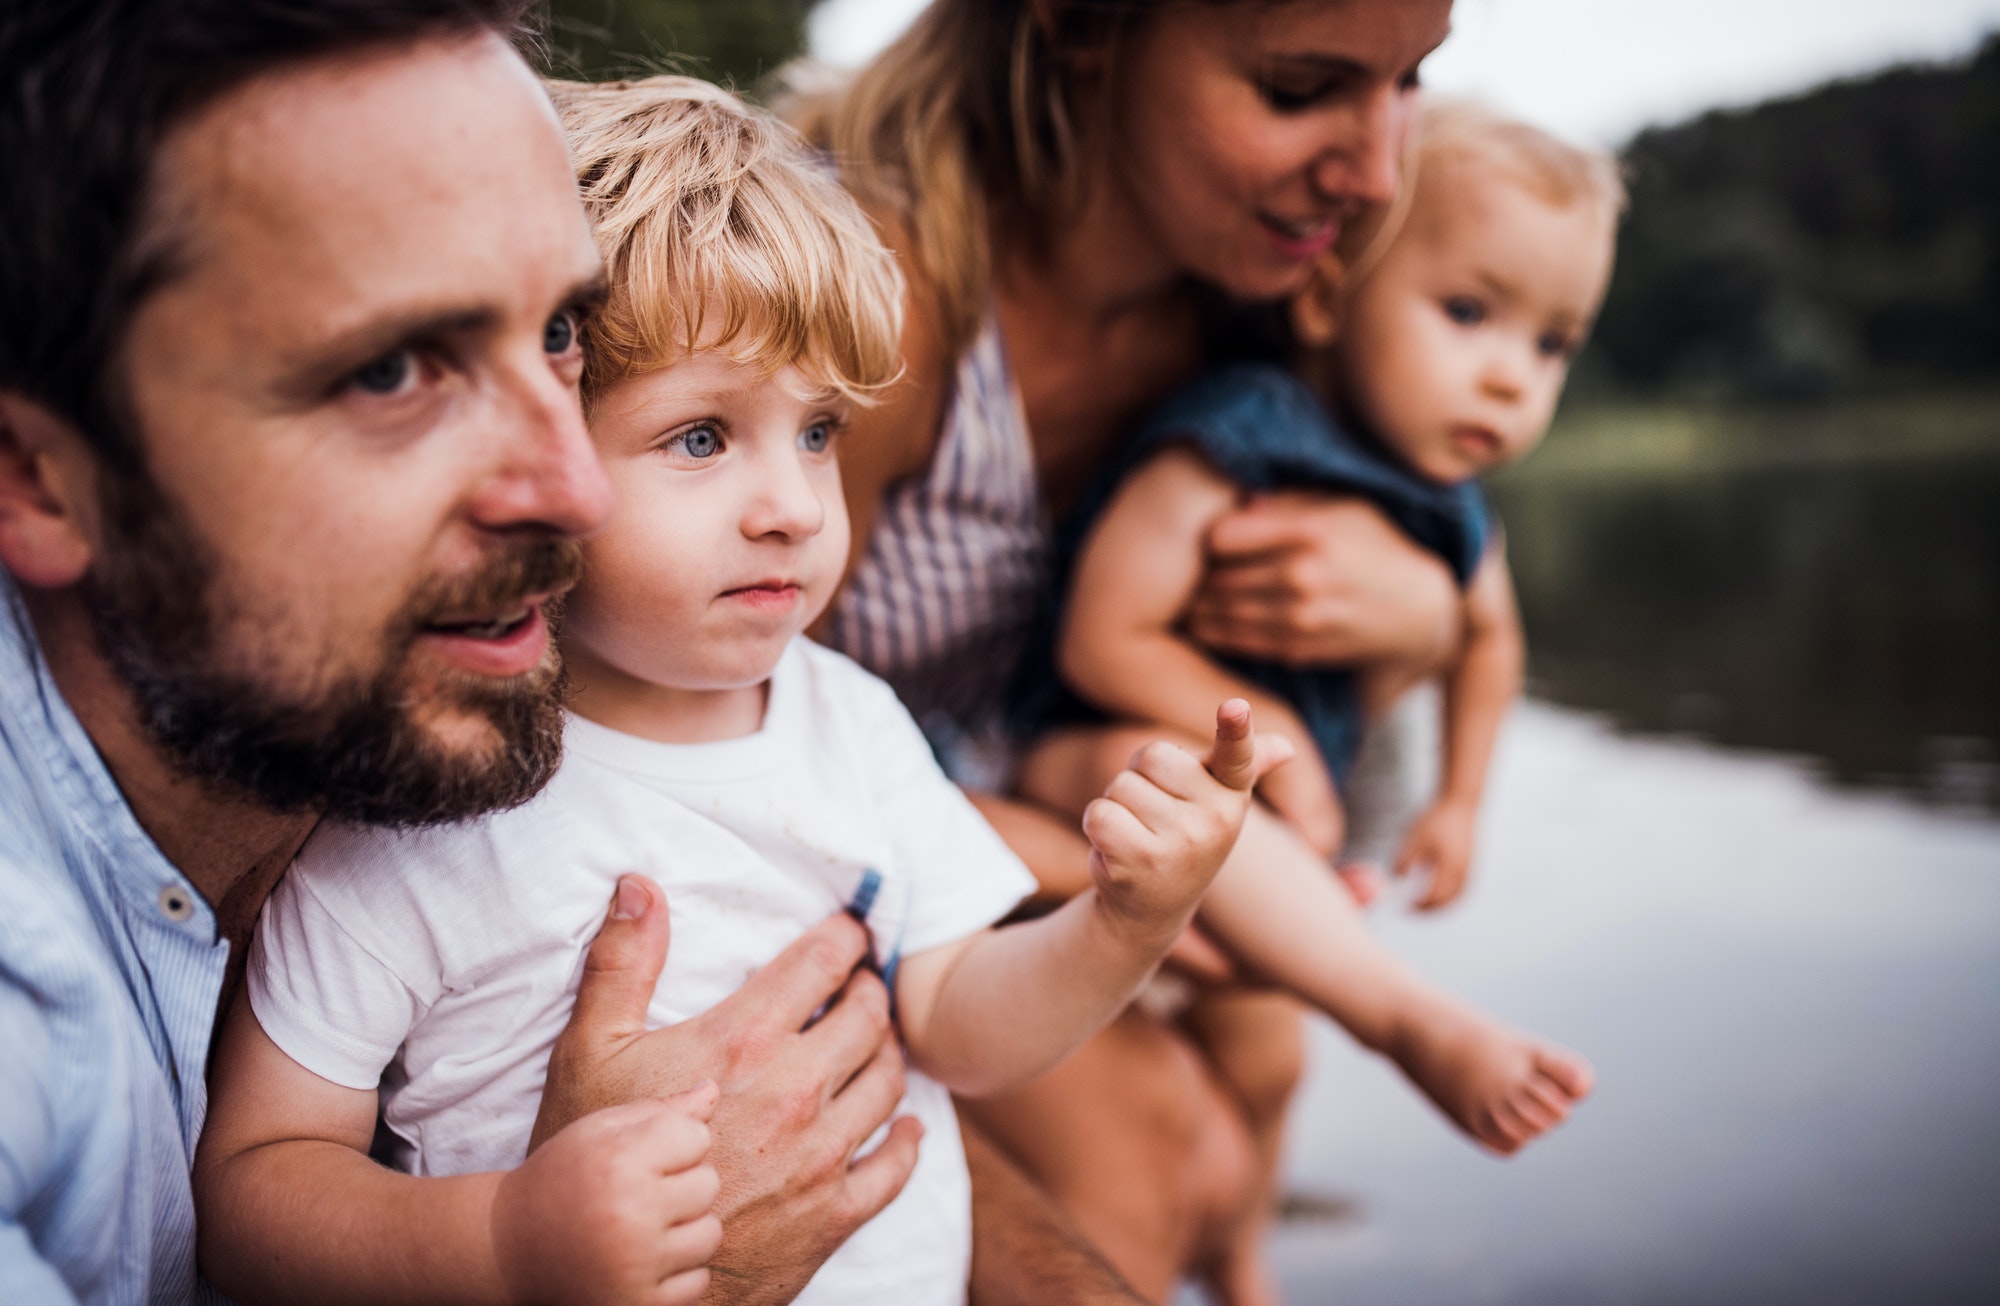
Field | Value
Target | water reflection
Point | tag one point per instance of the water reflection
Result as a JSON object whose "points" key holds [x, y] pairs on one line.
{"points": [[1848, 611]]}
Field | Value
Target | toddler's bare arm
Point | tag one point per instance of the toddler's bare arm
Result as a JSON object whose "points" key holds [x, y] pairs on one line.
{"points": [[1478, 689], [998, 1008], [291, 1209]]}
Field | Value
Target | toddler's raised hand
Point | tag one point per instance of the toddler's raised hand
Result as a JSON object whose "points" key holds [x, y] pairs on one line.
{"points": [[614, 1208], [1165, 823]]}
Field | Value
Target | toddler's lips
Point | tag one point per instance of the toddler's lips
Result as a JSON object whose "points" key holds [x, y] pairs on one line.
{"points": [[774, 597], [502, 644]]}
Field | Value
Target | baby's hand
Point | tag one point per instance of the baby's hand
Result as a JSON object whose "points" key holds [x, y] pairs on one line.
{"points": [[1165, 824], [1440, 839], [1302, 792], [614, 1208]]}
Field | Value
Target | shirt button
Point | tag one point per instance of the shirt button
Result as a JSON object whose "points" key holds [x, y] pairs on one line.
{"points": [[176, 903]]}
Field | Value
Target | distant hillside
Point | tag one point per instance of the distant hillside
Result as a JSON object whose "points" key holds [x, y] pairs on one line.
{"points": [[1840, 241], [734, 42]]}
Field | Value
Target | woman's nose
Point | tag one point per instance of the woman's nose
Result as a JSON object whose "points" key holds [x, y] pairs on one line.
{"points": [[1364, 160]]}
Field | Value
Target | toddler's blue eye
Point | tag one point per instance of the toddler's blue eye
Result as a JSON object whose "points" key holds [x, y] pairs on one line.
{"points": [[815, 438], [385, 375], [560, 333], [1553, 345], [701, 442], [1465, 310]]}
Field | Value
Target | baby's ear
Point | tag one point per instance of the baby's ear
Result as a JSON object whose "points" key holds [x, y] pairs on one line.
{"points": [[1315, 310]]}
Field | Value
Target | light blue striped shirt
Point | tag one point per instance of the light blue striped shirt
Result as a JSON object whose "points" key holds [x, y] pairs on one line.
{"points": [[110, 970]]}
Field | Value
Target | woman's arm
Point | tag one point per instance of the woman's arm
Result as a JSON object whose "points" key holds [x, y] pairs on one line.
{"points": [[291, 1209], [1477, 694], [897, 437], [1312, 580]]}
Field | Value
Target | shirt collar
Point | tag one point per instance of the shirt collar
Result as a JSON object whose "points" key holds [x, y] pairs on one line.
{"points": [[90, 801]]}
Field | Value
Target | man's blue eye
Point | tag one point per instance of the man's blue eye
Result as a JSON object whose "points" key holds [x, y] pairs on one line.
{"points": [[702, 442], [815, 438], [1465, 310], [385, 375], [560, 333]]}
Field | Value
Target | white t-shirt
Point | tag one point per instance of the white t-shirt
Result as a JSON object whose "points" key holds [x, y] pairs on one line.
{"points": [[441, 964]]}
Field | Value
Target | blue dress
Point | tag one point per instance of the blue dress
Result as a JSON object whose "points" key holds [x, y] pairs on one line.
{"points": [[1264, 429]]}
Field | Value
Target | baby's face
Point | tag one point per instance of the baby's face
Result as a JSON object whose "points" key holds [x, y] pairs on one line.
{"points": [[1455, 349], [729, 533]]}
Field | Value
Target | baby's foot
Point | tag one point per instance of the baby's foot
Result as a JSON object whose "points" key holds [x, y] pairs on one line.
{"points": [[1502, 1087]]}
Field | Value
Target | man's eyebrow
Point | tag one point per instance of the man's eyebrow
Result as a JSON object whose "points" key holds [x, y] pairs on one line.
{"points": [[589, 294], [325, 361]]}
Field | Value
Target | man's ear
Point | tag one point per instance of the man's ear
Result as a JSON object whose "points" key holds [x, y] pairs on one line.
{"points": [[48, 483]]}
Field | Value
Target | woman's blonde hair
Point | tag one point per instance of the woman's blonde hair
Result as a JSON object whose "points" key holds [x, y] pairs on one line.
{"points": [[963, 123], [721, 230]]}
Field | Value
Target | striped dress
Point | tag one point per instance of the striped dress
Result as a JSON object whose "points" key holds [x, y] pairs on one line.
{"points": [[957, 573]]}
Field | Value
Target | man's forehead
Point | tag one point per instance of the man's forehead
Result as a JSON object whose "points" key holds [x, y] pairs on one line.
{"points": [[384, 178]]}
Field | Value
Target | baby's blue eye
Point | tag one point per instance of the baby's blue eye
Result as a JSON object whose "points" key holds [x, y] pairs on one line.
{"points": [[815, 438], [1553, 344], [701, 442], [1465, 310]]}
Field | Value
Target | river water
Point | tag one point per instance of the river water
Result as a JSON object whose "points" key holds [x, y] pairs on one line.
{"points": [[1751, 866]]}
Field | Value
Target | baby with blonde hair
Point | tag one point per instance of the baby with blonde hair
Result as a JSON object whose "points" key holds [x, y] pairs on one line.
{"points": [[1439, 356], [761, 781]]}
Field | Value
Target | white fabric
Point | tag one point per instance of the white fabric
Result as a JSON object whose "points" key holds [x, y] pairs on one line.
{"points": [[443, 963]]}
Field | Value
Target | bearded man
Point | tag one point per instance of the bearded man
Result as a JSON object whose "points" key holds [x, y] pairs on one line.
{"points": [[292, 472]]}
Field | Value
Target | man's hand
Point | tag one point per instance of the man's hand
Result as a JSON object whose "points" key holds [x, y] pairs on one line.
{"points": [[1306, 580], [795, 1103], [614, 1208], [1163, 827], [1440, 841]]}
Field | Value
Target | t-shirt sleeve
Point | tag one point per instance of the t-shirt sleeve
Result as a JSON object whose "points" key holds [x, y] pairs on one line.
{"points": [[963, 877], [332, 1004]]}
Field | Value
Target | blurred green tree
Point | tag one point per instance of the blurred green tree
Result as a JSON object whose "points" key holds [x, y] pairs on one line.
{"points": [[734, 42], [1843, 240]]}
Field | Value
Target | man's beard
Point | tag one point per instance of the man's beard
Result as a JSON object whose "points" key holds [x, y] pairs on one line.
{"points": [[355, 750]]}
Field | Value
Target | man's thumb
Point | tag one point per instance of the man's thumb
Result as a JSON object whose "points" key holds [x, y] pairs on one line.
{"points": [[622, 968]]}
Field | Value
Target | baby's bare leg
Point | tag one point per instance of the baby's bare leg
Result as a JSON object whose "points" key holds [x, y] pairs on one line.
{"points": [[1284, 916]]}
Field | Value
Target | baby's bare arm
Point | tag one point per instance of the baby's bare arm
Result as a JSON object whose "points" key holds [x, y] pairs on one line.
{"points": [[1477, 691], [1120, 646], [291, 1209], [1486, 680]]}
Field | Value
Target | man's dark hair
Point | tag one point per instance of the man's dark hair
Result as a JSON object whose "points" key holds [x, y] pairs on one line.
{"points": [[88, 90]]}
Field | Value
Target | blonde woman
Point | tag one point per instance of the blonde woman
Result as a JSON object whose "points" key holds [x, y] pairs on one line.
{"points": [[1091, 200]]}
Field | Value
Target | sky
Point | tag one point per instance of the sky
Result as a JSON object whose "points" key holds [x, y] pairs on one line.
{"points": [[1598, 70]]}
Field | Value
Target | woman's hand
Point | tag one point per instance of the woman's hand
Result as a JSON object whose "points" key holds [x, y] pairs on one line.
{"points": [[1308, 580]]}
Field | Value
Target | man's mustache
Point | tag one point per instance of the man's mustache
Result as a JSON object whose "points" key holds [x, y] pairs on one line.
{"points": [[545, 565]]}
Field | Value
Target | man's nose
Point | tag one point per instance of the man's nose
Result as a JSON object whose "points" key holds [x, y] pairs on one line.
{"points": [[1363, 161], [549, 474]]}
